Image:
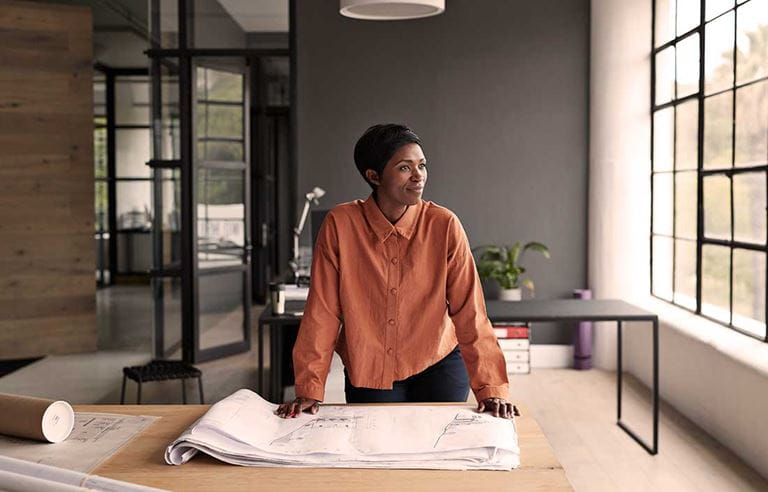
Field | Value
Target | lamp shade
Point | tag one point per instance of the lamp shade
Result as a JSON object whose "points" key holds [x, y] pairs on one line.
{"points": [[390, 9]]}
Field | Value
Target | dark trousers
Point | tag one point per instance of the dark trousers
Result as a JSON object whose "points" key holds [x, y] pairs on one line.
{"points": [[446, 380]]}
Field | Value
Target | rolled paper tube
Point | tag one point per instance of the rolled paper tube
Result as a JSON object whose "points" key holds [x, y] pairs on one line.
{"points": [[35, 418]]}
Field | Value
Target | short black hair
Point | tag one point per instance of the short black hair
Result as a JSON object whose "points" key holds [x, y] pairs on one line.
{"points": [[378, 144]]}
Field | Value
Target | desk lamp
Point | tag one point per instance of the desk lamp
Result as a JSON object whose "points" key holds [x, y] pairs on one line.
{"points": [[310, 197]]}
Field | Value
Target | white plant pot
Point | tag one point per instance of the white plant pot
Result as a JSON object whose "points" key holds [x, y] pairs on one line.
{"points": [[510, 294]]}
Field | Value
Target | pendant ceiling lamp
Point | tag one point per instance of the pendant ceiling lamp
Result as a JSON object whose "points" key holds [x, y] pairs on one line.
{"points": [[390, 9]]}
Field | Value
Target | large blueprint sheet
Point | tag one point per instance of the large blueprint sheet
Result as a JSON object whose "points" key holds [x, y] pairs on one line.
{"points": [[243, 430], [95, 438]]}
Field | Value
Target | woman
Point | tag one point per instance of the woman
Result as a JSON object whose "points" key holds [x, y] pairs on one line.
{"points": [[394, 290]]}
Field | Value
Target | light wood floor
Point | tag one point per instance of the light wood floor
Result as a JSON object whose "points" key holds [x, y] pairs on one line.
{"points": [[577, 412]]}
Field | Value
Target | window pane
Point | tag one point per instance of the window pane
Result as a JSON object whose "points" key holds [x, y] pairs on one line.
{"points": [[715, 291], [717, 7], [685, 273], [222, 319], [220, 217], [687, 15], [751, 37], [134, 199], [718, 61], [662, 267], [718, 131], [749, 205], [662, 203], [215, 120], [663, 138], [686, 135], [132, 100], [665, 75], [717, 207], [99, 96], [167, 128], [749, 291], [225, 121], [752, 124], [171, 214], [101, 206], [687, 67], [100, 152], [171, 313], [219, 85], [685, 204], [665, 21], [220, 151], [132, 149]]}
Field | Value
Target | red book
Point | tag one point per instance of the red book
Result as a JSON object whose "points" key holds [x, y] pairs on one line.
{"points": [[510, 331]]}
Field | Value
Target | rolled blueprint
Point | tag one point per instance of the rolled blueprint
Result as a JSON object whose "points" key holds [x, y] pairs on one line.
{"points": [[35, 418]]}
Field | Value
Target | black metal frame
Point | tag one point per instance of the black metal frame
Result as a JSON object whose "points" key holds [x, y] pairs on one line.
{"points": [[701, 173], [188, 269], [111, 178]]}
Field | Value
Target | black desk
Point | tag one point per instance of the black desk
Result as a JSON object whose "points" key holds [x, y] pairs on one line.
{"points": [[275, 322], [522, 311], [591, 310]]}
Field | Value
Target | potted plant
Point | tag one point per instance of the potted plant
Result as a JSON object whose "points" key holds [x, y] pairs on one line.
{"points": [[502, 264]]}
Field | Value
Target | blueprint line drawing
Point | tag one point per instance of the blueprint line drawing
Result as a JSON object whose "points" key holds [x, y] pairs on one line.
{"points": [[321, 423], [460, 420], [94, 438]]}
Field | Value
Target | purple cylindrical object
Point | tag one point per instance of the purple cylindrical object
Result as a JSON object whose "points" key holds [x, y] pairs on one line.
{"points": [[582, 337]]}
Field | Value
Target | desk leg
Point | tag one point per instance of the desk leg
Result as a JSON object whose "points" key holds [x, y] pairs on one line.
{"points": [[619, 371], [655, 448], [655, 386], [277, 368], [261, 359]]}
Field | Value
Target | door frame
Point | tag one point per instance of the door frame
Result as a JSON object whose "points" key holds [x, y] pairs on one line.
{"points": [[188, 269]]}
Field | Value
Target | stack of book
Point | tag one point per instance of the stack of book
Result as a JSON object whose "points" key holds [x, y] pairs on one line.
{"points": [[515, 342]]}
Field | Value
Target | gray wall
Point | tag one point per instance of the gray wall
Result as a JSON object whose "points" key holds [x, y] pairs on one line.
{"points": [[497, 89]]}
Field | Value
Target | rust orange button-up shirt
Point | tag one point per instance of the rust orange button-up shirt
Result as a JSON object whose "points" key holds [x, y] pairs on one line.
{"points": [[393, 300]]}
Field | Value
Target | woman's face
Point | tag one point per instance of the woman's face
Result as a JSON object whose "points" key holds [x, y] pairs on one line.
{"points": [[404, 176]]}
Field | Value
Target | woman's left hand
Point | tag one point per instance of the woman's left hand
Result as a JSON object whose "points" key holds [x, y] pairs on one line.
{"points": [[499, 407]]}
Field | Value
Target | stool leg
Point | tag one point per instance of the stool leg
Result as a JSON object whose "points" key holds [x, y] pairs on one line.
{"points": [[183, 391], [138, 394], [200, 386], [122, 392]]}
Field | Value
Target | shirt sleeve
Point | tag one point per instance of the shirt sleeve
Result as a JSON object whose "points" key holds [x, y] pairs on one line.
{"points": [[319, 328], [466, 306]]}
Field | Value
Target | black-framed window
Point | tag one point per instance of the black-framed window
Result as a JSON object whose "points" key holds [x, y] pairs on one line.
{"points": [[220, 139], [124, 183], [709, 107]]}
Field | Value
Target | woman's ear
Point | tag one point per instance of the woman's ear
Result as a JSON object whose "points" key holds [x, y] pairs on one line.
{"points": [[372, 176]]}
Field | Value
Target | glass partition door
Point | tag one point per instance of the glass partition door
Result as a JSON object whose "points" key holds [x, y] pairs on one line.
{"points": [[220, 126]]}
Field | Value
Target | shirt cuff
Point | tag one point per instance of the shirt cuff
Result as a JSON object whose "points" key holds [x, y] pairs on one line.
{"points": [[310, 391], [492, 392]]}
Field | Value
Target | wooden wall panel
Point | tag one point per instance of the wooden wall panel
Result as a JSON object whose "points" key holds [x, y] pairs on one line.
{"points": [[47, 257]]}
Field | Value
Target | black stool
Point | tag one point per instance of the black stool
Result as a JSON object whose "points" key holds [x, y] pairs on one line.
{"points": [[161, 370]]}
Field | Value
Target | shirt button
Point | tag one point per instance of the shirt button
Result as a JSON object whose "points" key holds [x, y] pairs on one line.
{"points": [[389, 351], [394, 261], [391, 321], [393, 291]]}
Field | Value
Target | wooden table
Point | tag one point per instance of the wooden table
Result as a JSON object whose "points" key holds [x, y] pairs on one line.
{"points": [[142, 461]]}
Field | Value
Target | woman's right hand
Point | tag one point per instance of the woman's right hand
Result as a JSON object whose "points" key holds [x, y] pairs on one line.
{"points": [[294, 408]]}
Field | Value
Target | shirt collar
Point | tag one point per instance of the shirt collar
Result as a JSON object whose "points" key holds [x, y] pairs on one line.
{"points": [[383, 227]]}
